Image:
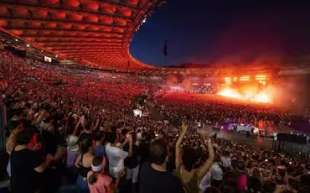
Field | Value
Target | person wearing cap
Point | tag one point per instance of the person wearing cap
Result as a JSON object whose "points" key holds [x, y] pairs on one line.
{"points": [[98, 180], [71, 156], [72, 150]]}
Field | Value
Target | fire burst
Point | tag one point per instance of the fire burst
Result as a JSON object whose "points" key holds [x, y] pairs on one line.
{"points": [[251, 88], [263, 96]]}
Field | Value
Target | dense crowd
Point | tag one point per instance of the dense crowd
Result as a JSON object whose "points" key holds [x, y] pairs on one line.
{"points": [[69, 135]]}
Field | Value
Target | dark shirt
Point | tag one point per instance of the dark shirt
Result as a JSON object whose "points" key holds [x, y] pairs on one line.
{"points": [[152, 181], [100, 151], [3, 124], [85, 135], [52, 141], [2, 115], [132, 161], [52, 175], [23, 178]]}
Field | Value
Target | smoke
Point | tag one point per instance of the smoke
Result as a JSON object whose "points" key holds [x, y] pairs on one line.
{"points": [[263, 36], [292, 92]]}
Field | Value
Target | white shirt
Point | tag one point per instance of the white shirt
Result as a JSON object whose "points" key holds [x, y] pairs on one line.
{"points": [[216, 172], [116, 157], [226, 161], [205, 182]]}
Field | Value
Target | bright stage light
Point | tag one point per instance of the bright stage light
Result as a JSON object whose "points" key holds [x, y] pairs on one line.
{"points": [[227, 80], [263, 82], [229, 92], [244, 78], [247, 95], [262, 97], [260, 77]]}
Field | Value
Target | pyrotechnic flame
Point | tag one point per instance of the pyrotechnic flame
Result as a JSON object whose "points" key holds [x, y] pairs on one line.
{"points": [[249, 95], [229, 92], [263, 98]]}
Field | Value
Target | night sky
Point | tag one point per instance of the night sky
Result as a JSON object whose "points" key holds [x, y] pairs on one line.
{"points": [[225, 31]]}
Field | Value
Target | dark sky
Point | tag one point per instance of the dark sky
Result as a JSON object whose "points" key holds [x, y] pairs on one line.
{"points": [[219, 31]]}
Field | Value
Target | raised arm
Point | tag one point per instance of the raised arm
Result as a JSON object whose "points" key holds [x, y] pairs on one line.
{"points": [[39, 117], [76, 128], [178, 145], [96, 124], [11, 141], [41, 168], [206, 166], [130, 143], [78, 161]]}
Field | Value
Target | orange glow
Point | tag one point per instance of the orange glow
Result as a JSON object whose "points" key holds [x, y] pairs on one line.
{"points": [[261, 77], [250, 88], [248, 94], [244, 78], [263, 97], [230, 92], [263, 82], [227, 80]]}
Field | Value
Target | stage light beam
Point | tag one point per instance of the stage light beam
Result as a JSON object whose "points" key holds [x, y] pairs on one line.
{"points": [[244, 78]]}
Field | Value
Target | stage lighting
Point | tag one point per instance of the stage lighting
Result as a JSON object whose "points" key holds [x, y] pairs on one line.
{"points": [[244, 78], [260, 77], [227, 80]]}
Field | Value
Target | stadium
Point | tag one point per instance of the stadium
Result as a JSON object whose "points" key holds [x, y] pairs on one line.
{"points": [[81, 113]]}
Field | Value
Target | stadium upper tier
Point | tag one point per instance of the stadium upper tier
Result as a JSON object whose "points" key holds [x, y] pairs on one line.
{"points": [[97, 33]]}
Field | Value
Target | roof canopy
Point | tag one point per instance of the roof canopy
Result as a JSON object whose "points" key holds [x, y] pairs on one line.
{"points": [[94, 31]]}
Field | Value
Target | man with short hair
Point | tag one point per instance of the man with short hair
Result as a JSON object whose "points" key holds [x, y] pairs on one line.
{"points": [[116, 155], [25, 164], [154, 177]]}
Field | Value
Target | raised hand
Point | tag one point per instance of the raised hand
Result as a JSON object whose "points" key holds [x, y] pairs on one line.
{"points": [[129, 137], [184, 127]]}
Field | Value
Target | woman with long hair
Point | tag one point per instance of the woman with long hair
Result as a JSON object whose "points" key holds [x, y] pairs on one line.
{"points": [[83, 163], [185, 161]]}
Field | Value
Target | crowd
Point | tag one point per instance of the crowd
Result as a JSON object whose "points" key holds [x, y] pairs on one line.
{"points": [[265, 117], [69, 135]]}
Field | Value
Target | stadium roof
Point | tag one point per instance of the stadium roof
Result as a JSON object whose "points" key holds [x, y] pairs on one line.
{"points": [[97, 32]]}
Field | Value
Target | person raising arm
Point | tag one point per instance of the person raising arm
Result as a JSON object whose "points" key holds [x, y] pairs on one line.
{"points": [[186, 159]]}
